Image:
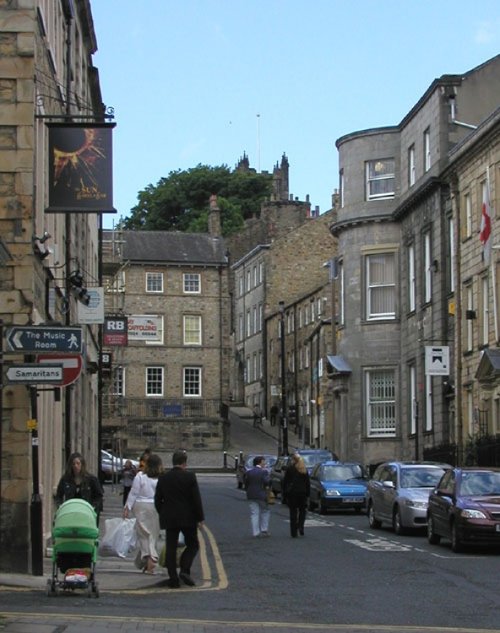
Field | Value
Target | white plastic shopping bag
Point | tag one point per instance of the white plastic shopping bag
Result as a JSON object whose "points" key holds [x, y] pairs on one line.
{"points": [[119, 537]]}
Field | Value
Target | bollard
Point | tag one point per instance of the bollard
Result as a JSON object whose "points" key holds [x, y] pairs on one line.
{"points": [[225, 459]]}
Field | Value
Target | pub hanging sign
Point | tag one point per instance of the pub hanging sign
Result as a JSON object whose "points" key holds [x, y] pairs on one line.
{"points": [[80, 168]]}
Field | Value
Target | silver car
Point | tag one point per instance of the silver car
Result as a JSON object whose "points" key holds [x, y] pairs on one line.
{"points": [[398, 493]]}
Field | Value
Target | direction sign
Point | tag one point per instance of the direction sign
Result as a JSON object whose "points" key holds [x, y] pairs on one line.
{"points": [[44, 339], [33, 373], [72, 365]]}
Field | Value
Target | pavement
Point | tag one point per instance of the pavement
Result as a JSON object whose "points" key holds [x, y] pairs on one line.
{"points": [[120, 574]]}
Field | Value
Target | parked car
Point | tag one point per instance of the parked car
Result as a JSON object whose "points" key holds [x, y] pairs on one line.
{"points": [[311, 457], [278, 472], [247, 463], [337, 485], [112, 465], [465, 508], [398, 493]]}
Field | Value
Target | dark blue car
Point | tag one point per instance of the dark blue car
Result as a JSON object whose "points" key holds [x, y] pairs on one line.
{"points": [[337, 486]]}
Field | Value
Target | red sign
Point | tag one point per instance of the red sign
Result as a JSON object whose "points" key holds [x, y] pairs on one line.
{"points": [[115, 331], [72, 365]]}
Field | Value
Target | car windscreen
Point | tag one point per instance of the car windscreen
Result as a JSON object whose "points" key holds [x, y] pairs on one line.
{"points": [[480, 483], [420, 477], [312, 459], [341, 473]]}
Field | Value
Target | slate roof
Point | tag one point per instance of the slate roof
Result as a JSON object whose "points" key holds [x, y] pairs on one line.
{"points": [[174, 247]]}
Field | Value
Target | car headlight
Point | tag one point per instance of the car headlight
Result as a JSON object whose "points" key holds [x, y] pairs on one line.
{"points": [[421, 505], [332, 493], [472, 514]]}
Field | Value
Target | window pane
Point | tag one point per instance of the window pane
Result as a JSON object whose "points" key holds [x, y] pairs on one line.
{"points": [[192, 383], [380, 178], [154, 282], [192, 282], [381, 287], [154, 381], [381, 406], [118, 382], [192, 330]]}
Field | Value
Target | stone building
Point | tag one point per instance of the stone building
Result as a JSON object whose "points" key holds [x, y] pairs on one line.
{"points": [[169, 384], [247, 251], [473, 176], [248, 383], [298, 300], [41, 424], [395, 262]]}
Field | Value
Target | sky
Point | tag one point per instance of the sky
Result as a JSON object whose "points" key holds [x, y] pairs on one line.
{"points": [[206, 81]]}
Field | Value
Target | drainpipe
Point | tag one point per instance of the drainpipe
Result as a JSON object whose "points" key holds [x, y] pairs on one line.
{"points": [[455, 201]]}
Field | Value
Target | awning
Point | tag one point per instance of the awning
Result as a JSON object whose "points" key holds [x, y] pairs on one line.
{"points": [[339, 364], [489, 366]]}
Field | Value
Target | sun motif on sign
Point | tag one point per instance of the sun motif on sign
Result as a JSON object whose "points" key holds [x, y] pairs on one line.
{"points": [[76, 154]]}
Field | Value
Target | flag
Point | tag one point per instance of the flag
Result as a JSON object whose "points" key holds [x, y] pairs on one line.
{"points": [[485, 231]]}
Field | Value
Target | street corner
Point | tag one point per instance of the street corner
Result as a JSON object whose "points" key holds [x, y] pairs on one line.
{"points": [[209, 573]]}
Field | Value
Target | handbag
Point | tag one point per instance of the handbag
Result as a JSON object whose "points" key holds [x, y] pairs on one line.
{"points": [[270, 497]]}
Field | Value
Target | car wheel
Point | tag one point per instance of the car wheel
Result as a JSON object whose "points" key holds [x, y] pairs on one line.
{"points": [[397, 523], [456, 542], [432, 537], [374, 523]]}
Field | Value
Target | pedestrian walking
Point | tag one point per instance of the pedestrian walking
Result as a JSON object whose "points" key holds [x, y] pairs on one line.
{"points": [[257, 417], [140, 503], [178, 503], [77, 483], [296, 488], [256, 482], [274, 414], [144, 458], [128, 474]]}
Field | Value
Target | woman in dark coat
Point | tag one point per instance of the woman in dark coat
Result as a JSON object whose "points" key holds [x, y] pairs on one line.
{"points": [[296, 491], [77, 483]]}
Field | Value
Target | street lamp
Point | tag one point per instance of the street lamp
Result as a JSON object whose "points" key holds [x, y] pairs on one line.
{"points": [[283, 383]]}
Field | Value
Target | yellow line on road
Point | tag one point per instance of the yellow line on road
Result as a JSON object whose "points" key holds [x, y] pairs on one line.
{"points": [[219, 566]]}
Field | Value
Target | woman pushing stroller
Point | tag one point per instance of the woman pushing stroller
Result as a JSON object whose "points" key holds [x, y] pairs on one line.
{"points": [[77, 483]]}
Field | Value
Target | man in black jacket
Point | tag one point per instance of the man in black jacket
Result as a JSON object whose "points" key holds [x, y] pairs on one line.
{"points": [[178, 502]]}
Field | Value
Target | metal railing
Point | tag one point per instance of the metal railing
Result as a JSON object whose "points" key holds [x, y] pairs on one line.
{"points": [[148, 408]]}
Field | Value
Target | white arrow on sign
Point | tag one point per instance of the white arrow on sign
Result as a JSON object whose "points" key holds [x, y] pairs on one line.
{"points": [[33, 373]]}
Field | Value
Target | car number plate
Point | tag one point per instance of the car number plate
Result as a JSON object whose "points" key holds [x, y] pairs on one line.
{"points": [[497, 527], [353, 500]]}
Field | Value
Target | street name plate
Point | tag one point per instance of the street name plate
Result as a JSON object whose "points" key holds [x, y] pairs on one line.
{"points": [[33, 373]]}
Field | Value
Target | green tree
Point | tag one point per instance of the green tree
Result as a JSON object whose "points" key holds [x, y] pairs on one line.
{"points": [[180, 202]]}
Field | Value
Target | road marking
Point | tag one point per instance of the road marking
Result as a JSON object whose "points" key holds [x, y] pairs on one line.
{"points": [[380, 545], [216, 582], [252, 625]]}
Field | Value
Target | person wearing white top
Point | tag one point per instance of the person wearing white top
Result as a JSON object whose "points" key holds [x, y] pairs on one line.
{"points": [[140, 503]]}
